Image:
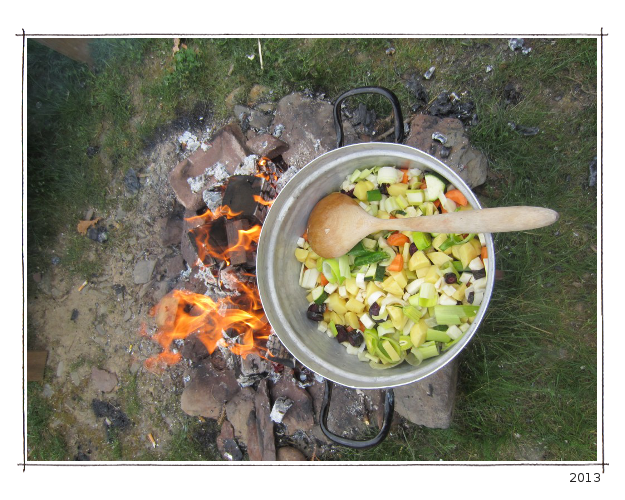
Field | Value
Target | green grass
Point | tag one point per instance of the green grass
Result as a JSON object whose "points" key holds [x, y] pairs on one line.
{"points": [[527, 385], [43, 442]]}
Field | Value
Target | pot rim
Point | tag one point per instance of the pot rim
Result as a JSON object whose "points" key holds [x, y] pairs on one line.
{"points": [[298, 195]]}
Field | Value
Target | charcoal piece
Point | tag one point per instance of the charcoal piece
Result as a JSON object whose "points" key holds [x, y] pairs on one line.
{"points": [[97, 233], [239, 196], [445, 152], [113, 416], [74, 315], [512, 93], [444, 106], [236, 255], [92, 151], [417, 89]]}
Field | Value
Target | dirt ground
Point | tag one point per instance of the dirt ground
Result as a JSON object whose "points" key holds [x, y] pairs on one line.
{"points": [[105, 324]]}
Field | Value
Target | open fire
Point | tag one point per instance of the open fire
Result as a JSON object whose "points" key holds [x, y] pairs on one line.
{"points": [[226, 241]]}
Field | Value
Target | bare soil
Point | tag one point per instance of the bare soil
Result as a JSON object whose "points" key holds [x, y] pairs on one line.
{"points": [[106, 324]]}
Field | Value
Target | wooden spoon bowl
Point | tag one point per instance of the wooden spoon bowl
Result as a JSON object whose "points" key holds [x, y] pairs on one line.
{"points": [[337, 223]]}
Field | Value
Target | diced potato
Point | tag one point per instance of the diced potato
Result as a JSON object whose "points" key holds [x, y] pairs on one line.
{"points": [[336, 303], [310, 263], [327, 315], [476, 243], [455, 251], [439, 240], [433, 275], [398, 189], [371, 287], [351, 318], [382, 214], [459, 294], [422, 273], [393, 288], [301, 255], [338, 319], [351, 286], [355, 306], [439, 258], [400, 278], [397, 316], [418, 261], [417, 333], [361, 188], [467, 253]]}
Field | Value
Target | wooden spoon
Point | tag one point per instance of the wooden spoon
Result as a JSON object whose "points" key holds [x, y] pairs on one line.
{"points": [[337, 223]]}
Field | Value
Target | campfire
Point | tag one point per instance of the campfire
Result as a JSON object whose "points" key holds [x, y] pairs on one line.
{"points": [[225, 240]]}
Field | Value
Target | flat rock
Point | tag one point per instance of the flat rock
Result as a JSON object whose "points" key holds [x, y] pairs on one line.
{"points": [[264, 424], [208, 390], [267, 145], [227, 149], [300, 416], [226, 444], [469, 163], [240, 412], [290, 454], [103, 380], [143, 270], [306, 125], [430, 402]]}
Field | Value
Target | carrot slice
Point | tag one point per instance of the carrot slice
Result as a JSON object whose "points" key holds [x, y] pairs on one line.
{"points": [[397, 264], [397, 239], [484, 253], [323, 281], [457, 196], [404, 179], [305, 235], [423, 185]]}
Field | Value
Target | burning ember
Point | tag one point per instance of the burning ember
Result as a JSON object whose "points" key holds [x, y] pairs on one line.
{"points": [[224, 240]]}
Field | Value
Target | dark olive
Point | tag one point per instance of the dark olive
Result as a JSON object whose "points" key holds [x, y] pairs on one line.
{"points": [[451, 278]]}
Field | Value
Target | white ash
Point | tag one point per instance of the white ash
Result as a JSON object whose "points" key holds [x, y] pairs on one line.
{"points": [[248, 167], [205, 146], [277, 130], [212, 199], [205, 274], [280, 407], [217, 171], [285, 177], [189, 141]]}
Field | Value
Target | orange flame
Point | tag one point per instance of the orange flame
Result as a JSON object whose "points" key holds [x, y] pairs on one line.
{"points": [[262, 201], [181, 313], [246, 238]]}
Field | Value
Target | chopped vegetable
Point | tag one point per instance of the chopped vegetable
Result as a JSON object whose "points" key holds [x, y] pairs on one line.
{"points": [[397, 264], [370, 258], [374, 195], [397, 239], [396, 296], [457, 196]]}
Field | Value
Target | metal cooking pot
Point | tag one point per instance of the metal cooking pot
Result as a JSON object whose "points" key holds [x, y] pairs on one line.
{"points": [[284, 301]]}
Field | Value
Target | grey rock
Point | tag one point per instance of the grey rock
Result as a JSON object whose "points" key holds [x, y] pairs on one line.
{"points": [[469, 163], [103, 380], [60, 369], [47, 391], [430, 401], [143, 270]]}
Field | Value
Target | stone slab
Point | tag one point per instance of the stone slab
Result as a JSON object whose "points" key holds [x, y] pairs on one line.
{"points": [[469, 163], [227, 148], [430, 401]]}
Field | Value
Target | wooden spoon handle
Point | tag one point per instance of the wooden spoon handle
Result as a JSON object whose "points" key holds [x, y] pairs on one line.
{"points": [[486, 220]]}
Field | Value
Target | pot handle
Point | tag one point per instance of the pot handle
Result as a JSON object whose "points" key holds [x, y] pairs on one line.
{"points": [[399, 120], [389, 406]]}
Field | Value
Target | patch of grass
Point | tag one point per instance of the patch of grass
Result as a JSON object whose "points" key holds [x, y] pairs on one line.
{"points": [[43, 443], [193, 441]]}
